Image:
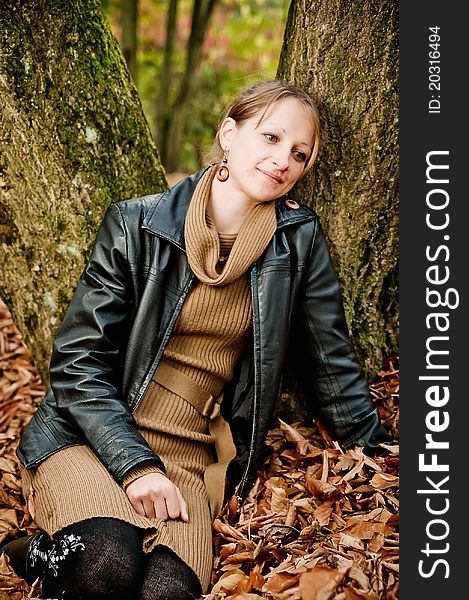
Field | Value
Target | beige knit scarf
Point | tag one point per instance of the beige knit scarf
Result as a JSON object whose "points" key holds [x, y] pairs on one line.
{"points": [[203, 245]]}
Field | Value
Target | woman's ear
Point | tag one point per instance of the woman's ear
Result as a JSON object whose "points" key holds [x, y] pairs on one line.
{"points": [[226, 132]]}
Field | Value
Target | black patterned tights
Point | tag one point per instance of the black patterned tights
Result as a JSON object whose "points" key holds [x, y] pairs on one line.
{"points": [[102, 558]]}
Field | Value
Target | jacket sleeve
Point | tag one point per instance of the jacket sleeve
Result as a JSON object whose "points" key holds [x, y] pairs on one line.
{"points": [[325, 361], [89, 349]]}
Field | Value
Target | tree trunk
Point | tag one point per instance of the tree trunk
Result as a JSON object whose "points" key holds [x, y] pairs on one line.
{"points": [[73, 139], [345, 55], [201, 15], [162, 102], [129, 35]]}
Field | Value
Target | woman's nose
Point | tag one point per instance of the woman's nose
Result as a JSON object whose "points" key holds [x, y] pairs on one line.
{"points": [[281, 162]]}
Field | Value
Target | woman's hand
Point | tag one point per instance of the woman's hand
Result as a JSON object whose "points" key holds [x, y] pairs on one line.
{"points": [[154, 495]]}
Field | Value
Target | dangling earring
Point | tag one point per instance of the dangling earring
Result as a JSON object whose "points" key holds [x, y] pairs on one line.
{"points": [[223, 172]]}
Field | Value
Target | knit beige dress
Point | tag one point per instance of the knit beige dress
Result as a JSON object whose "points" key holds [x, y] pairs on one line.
{"points": [[209, 336]]}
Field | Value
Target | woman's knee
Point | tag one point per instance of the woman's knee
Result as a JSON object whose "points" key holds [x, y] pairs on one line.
{"points": [[97, 559], [168, 577]]}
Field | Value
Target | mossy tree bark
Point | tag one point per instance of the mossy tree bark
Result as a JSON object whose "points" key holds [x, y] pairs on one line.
{"points": [[345, 55], [73, 139]]}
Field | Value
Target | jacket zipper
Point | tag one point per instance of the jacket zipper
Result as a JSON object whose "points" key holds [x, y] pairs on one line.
{"points": [[254, 297]]}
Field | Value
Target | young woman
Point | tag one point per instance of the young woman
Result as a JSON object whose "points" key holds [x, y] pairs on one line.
{"points": [[166, 368]]}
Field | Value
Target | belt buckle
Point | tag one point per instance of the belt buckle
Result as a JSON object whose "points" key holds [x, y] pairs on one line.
{"points": [[211, 409]]}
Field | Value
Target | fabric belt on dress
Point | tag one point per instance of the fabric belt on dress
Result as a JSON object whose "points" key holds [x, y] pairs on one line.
{"points": [[209, 406], [179, 383]]}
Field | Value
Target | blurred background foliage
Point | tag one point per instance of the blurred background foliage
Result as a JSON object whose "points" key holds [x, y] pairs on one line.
{"points": [[241, 43]]}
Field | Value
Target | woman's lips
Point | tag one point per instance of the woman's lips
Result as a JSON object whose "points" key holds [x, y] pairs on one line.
{"points": [[271, 176]]}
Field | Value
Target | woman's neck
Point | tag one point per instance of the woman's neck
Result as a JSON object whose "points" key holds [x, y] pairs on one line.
{"points": [[228, 207]]}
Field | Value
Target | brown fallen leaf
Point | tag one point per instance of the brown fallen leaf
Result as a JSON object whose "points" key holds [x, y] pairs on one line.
{"points": [[302, 444], [381, 481], [226, 530], [280, 582], [320, 489], [255, 581], [323, 513], [376, 542], [319, 583], [229, 580], [274, 537], [352, 593], [238, 557], [366, 529]]}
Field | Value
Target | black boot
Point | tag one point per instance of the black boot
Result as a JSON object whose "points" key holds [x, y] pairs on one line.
{"points": [[17, 551]]}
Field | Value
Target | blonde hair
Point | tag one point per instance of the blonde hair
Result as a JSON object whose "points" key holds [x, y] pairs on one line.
{"points": [[259, 98]]}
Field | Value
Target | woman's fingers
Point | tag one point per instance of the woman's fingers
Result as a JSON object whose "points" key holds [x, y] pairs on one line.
{"points": [[148, 507], [183, 506], [154, 494], [138, 506], [160, 509], [176, 505]]}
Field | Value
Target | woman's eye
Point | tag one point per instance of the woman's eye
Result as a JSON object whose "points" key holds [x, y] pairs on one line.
{"points": [[270, 137], [301, 156]]}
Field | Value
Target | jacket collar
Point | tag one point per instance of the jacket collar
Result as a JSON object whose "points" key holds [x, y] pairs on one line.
{"points": [[167, 215]]}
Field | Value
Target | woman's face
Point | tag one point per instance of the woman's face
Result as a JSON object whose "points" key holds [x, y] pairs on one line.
{"points": [[266, 160]]}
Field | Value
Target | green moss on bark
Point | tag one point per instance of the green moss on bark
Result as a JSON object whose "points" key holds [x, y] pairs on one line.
{"points": [[73, 139], [346, 56]]}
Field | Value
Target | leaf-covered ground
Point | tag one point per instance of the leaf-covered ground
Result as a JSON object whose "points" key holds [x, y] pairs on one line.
{"points": [[319, 524]]}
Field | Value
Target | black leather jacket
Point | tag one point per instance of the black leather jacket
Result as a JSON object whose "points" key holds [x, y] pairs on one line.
{"points": [[122, 314]]}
